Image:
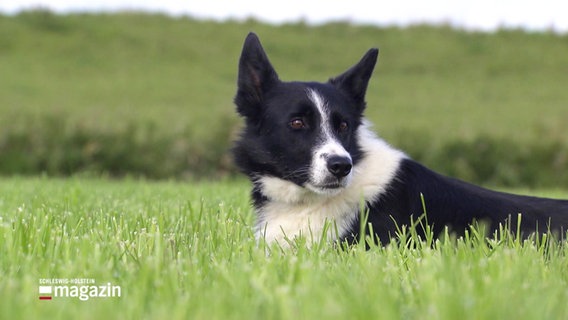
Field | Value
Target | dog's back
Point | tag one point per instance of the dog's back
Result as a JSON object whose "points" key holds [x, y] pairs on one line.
{"points": [[456, 204]]}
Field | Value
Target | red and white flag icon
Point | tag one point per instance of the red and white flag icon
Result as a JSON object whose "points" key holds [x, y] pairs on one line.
{"points": [[45, 292]]}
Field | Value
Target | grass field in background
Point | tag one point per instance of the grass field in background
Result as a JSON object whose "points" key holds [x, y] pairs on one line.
{"points": [[113, 70], [117, 93], [186, 251], [110, 70]]}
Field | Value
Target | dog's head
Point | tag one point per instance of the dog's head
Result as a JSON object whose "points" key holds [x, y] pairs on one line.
{"points": [[302, 132]]}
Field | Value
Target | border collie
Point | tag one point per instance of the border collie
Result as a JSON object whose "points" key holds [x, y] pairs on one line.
{"points": [[313, 160]]}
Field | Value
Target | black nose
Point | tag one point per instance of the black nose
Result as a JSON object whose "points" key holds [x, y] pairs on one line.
{"points": [[339, 166]]}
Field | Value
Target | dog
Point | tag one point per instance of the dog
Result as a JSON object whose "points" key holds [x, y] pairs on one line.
{"points": [[317, 168]]}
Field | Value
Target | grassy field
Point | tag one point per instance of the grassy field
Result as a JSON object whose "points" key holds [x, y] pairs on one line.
{"points": [[148, 95], [186, 251], [119, 93]]}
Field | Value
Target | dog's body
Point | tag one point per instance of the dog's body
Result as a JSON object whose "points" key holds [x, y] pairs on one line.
{"points": [[314, 162]]}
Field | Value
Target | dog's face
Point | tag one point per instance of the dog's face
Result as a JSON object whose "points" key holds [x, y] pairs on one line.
{"points": [[302, 132]]}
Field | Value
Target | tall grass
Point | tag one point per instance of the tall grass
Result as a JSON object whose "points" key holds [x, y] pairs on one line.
{"points": [[183, 251]]}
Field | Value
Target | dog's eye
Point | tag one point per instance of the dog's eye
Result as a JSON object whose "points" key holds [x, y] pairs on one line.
{"points": [[343, 126], [297, 124]]}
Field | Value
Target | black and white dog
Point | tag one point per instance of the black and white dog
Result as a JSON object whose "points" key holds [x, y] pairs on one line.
{"points": [[313, 161]]}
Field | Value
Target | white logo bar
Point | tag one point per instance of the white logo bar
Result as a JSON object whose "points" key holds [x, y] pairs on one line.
{"points": [[44, 289]]}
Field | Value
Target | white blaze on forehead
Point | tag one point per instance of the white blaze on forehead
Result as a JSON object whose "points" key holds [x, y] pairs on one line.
{"points": [[323, 110], [327, 137]]}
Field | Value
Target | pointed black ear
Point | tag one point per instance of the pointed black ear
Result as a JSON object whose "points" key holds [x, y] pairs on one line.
{"points": [[354, 81], [256, 77]]}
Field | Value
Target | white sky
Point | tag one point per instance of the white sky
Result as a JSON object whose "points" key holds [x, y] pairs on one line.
{"points": [[542, 15]]}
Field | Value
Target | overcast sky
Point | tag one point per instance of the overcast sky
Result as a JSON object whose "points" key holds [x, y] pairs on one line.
{"points": [[542, 15]]}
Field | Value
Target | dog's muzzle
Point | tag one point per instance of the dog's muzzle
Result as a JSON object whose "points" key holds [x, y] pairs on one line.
{"points": [[331, 169]]}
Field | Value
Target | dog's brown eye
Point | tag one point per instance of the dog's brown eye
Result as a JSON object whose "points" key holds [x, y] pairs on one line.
{"points": [[343, 126], [297, 124]]}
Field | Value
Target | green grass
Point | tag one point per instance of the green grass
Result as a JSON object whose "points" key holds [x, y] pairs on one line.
{"points": [[186, 251]]}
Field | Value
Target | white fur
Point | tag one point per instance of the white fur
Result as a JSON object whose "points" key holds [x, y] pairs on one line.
{"points": [[328, 146], [293, 210]]}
